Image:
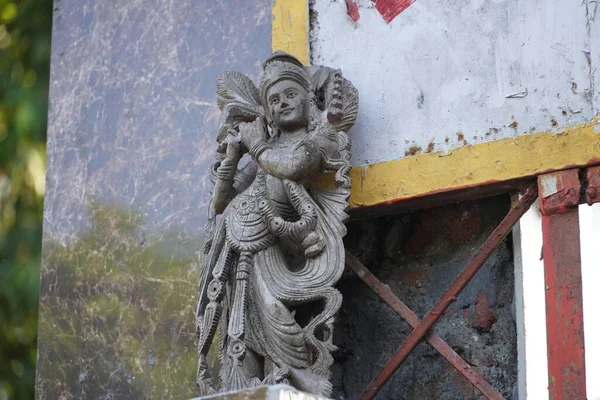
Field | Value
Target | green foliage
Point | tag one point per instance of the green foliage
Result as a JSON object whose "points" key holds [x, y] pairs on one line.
{"points": [[25, 31], [117, 312]]}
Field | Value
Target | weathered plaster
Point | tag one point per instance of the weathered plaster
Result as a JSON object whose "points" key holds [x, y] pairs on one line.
{"points": [[290, 28], [472, 165], [450, 74], [417, 256], [592, 52]]}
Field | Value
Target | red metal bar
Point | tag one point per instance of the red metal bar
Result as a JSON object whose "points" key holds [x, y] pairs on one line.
{"points": [[559, 191], [592, 194], [449, 296], [436, 342], [562, 273]]}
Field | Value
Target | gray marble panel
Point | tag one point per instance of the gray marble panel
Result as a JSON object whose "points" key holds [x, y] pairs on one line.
{"points": [[131, 135]]}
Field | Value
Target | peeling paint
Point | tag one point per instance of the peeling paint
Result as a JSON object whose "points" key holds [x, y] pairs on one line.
{"points": [[412, 150], [352, 10], [290, 22], [390, 9], [474, 165], [532, 59], [430, 147]]}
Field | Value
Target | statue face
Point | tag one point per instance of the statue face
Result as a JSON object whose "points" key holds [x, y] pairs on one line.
{"points": [[289, 105]]}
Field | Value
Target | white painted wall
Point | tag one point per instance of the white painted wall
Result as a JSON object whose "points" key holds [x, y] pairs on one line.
{"points": [[530, 302], [589, 221], [530, 306], [441, 69]]}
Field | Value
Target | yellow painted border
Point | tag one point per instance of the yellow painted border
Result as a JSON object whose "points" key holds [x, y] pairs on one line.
{"points": [[468, 166], [478, 164], [289, 30]]}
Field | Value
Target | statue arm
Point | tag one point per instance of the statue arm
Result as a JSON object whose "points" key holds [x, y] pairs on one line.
{"points": [[245, 176], [224, 189]]}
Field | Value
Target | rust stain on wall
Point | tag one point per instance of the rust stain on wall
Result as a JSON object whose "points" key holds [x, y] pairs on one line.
{"points": [[412, 150]]}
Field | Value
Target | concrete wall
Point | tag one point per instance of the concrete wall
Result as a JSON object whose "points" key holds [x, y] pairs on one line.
{"points": [[418, 255], [442, 75], [445, 74]]}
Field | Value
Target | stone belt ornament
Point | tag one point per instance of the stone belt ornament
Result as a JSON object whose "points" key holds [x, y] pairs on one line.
{"points": [[271, 259]]}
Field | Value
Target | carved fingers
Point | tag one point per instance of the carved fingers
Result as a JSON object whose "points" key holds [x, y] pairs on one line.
{"points": [[233, 145], [253, 133], [313, 244]]}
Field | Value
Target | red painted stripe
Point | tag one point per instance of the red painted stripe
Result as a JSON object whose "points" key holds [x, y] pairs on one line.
{"points": [[352, 8], [390, 9]]}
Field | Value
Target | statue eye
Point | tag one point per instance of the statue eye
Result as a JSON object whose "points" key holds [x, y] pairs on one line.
{"points": [[291, 95], [275, 100]]}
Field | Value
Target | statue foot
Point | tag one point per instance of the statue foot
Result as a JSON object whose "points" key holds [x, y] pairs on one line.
{"points": [[310, 382], [313, 245], [277, 375]]}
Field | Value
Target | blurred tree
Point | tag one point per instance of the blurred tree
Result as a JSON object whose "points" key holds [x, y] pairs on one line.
{"points": [[117, 311], [25, 31]]}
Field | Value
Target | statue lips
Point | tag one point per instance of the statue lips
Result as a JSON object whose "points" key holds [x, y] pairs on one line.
{"points": [[288, 114]]}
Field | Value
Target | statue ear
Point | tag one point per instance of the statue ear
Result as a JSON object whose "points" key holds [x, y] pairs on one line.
{"points": [[315, 114], [319, 79]]}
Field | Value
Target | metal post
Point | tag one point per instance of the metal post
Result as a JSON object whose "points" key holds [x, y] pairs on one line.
{"points": [[559, 202]]}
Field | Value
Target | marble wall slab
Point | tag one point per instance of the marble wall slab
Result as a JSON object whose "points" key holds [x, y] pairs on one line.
{"points": [[131, 135]]}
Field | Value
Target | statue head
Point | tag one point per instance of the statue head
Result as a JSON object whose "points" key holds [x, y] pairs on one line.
{"points": [[285, 92]]}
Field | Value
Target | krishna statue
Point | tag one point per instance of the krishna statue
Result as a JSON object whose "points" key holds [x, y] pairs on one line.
{"points": [[273, 249]]}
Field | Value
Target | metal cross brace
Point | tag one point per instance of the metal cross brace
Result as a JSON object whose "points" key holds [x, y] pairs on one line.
{"points": [[421, 328], [409, 316]]}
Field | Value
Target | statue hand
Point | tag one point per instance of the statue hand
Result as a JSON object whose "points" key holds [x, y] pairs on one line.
{"points": [[253, 133], [234, 146], [313, 244]]}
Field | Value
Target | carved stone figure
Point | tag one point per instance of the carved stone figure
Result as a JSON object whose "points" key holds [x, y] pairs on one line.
{"points": [[272, 257]]}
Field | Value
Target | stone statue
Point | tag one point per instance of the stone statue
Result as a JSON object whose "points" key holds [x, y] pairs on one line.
{"points": [[272, 257]]}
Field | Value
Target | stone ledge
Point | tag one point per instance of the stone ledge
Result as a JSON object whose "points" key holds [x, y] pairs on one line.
{"points": [[275, 392]]}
